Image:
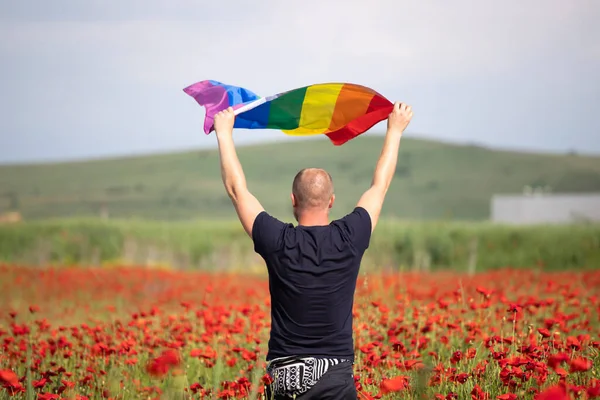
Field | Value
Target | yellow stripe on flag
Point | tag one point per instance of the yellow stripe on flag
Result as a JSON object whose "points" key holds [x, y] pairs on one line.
{"points": [[317, 109]]}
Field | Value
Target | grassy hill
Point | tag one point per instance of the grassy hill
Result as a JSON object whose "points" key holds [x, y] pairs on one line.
{"points": [[433, 180]]}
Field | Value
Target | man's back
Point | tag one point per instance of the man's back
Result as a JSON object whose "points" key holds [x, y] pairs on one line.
{"points": [[312, 267], [312, 278]]}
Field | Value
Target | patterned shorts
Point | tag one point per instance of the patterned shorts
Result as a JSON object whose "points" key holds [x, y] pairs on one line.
{"points": [[296, 375]]}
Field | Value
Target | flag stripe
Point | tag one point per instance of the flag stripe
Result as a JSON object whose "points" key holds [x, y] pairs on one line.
{"points": [[351, 103], [286, 110], [317, 109], [379, 109]]}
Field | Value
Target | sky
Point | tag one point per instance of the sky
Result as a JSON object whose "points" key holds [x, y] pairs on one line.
{"points": [[101, 78]]}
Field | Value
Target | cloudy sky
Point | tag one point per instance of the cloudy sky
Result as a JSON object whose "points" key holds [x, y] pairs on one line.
{"points": [[99, 78]]}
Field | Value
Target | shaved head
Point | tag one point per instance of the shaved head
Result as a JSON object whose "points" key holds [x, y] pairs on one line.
{"points": [[312, 189]]}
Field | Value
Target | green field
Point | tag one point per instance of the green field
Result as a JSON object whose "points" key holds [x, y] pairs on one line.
{"points": [[433, 180], [462, 246]]}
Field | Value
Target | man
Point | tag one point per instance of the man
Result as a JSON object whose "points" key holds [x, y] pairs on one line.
{"points": [[312, 267]]}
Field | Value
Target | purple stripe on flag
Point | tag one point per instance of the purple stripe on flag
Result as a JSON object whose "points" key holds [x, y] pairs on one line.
{"points": [[213, 97], [216, 96]]}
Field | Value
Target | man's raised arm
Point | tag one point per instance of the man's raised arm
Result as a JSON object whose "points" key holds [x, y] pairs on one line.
{"points": [[372, 199], [246, 205]]}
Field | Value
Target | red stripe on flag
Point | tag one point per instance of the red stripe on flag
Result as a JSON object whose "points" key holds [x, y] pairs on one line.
{"points": [[379, 109]]}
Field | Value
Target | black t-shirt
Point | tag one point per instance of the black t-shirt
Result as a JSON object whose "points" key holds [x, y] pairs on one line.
{"points": [[312, 278]]}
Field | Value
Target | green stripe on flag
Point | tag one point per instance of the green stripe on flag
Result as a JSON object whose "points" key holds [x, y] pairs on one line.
{"points": [[285, 110]]}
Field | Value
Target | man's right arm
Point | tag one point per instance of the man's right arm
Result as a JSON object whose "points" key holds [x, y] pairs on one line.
{"points": [[372, 199]]}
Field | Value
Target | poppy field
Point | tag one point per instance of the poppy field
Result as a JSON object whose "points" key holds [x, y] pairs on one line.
{"points": [[136, 333]]}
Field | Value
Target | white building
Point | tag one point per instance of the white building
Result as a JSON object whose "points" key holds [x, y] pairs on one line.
{"points": [[545, 208]]}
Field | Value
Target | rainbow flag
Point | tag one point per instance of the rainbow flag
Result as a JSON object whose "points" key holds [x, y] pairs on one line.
{"points": [[341, 111]]}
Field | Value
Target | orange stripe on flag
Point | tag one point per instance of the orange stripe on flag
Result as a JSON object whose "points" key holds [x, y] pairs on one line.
{"points": [[352, 103]]}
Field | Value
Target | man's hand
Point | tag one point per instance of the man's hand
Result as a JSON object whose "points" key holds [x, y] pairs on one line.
{"points": [[372, 199], [224, 121], [399, 118]]}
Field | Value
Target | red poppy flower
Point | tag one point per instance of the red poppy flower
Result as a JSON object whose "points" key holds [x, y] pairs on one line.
{"points": [[553, 393], [8, 377], [394, 384], [161, 365]]}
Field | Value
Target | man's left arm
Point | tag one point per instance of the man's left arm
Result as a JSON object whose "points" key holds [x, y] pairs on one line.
{"points": [[246, 205]]}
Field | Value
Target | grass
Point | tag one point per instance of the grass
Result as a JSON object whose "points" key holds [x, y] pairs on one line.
{"points": [[219, 245], [433, 180]]}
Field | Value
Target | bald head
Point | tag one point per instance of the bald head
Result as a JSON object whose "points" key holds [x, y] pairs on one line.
{"points": [[312, 188]]}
